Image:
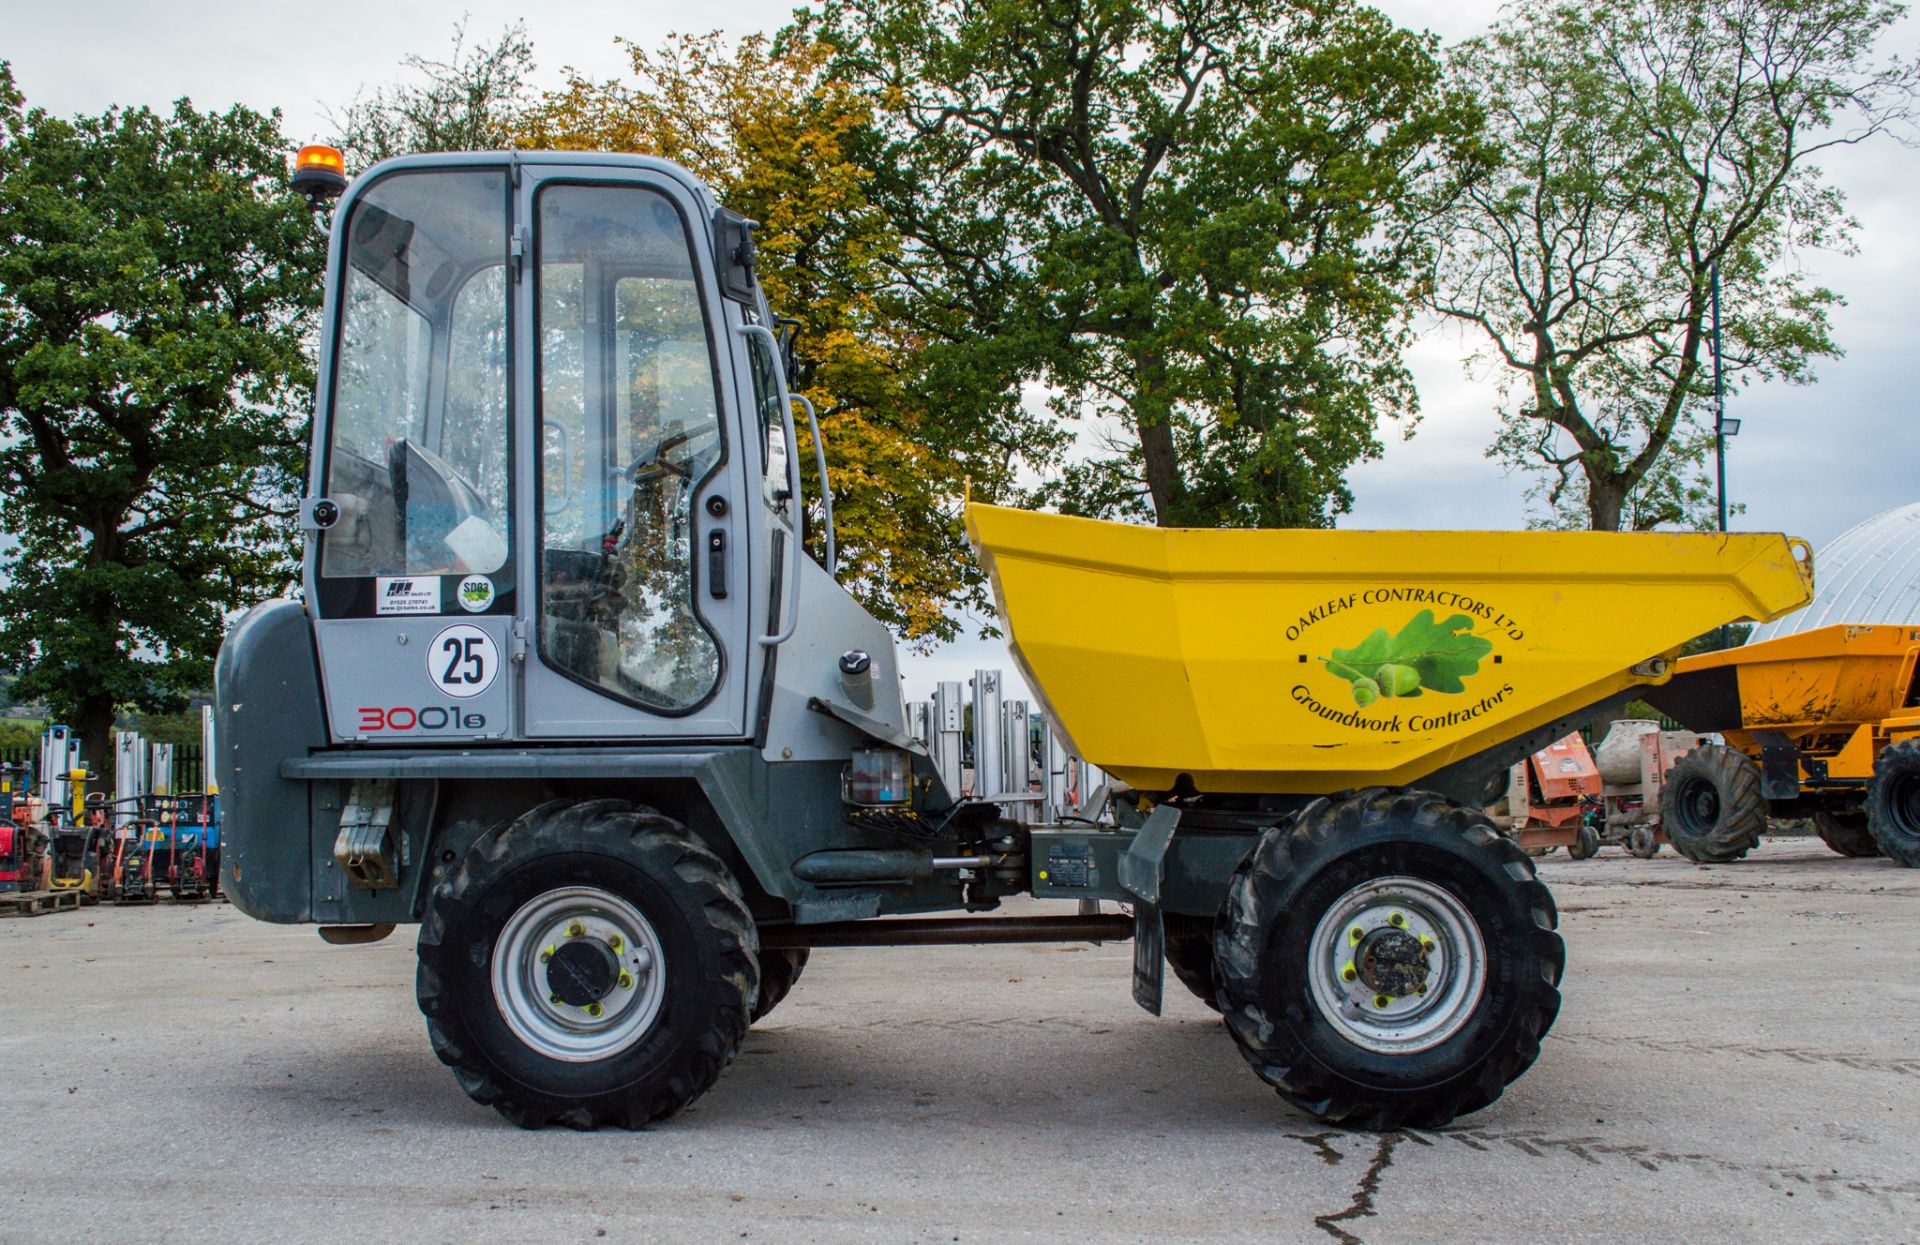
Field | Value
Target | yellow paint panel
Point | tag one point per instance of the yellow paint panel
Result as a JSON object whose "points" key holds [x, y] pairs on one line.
{"points": [[1211, 653]]}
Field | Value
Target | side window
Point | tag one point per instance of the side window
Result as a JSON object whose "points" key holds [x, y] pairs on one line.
{"points": [[417, 459], [630, 422], [773, 437]]}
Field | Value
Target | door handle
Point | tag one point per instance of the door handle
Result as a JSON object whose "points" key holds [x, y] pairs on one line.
{"points": [[717, 564]]}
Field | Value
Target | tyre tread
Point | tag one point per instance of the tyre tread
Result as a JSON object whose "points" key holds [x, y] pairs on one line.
{"points": [[1743, 810], [1257, 897], [1898, 843], [652, 841]]}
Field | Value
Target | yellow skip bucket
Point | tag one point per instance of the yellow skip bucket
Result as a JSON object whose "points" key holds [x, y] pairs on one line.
{"points": [[1302, 662]]}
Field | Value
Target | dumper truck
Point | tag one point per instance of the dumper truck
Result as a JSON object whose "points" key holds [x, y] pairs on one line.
{"points": [[570, 687], [1821, 724]]}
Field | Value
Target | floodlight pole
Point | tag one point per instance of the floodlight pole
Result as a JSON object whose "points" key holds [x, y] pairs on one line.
{"points": [[1719, 405]]}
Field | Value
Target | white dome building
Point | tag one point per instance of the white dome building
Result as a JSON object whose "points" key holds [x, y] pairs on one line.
{"points": [[1868, 574]]}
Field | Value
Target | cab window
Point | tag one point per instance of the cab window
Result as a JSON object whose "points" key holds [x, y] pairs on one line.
{"points": [[630, 428], [417, 456]]}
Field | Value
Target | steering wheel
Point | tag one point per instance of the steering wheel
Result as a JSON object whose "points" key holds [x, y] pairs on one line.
{"points": [[653, 464]]}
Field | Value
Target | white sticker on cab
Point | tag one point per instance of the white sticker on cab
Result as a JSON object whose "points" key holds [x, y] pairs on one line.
{"points": [[407, 594]]}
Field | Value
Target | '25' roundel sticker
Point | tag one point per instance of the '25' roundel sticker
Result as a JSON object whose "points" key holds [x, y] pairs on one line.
{"points": [[462, 661]]}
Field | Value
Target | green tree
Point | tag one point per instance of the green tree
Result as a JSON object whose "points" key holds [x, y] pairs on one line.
{"points": [[1638, 143], [1179, 221], [157, 283], [471, 101]]}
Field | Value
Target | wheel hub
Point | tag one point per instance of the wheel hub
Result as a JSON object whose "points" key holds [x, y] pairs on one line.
{"points": [[1397, 965], [1704, 803], [1392, 962], [582, 971], [578, 974]]}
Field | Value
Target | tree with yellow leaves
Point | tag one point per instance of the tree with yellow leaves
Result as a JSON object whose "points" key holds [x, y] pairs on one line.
{"points": [[780, 142]]}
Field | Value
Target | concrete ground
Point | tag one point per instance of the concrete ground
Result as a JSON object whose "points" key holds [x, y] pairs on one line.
{"points": [[1736, 1060]]}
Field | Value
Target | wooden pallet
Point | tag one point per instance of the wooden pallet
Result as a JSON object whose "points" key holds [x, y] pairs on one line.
{"points": [[37, 903]]}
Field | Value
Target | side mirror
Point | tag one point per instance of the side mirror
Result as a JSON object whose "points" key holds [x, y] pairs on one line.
{"points": [[734, 254]]}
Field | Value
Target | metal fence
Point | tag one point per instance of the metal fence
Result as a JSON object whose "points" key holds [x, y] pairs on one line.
{"points": [[140, 768], [983, 745], [988, 747]]}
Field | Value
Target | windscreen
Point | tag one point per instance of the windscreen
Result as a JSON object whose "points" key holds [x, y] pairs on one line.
{"points": [[417, 452]]}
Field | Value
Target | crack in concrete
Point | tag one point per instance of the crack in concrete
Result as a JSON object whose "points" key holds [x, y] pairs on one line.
{"points": [[1899, 1066], [1592, 1149], [1322, 1144], [1361, 1207]]}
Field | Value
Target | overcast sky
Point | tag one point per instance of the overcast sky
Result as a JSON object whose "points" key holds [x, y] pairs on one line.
{"points": [[1809, 460]]}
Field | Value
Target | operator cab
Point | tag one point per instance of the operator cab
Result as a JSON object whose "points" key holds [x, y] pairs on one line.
{"points": [[553, 490]]}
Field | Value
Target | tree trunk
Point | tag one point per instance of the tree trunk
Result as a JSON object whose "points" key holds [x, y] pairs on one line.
{"points": [[1153, 423], [1606, 498], [1163, 471], [93, 723]]}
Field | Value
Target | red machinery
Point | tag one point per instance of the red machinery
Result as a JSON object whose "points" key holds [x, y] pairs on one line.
{"points": [[1551, 797], [1560, 796]]}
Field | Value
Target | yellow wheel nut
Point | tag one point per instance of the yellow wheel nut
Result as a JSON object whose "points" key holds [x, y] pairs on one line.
{"points": [[593, 1009], [1349, 973], [575, 930], [626, 982], [1396, 920], [614, 942], [546, 953], [1356, 934], [1381, 1000]]}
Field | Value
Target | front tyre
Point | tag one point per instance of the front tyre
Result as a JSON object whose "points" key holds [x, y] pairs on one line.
{"points": [[591, 963], [1893, 803], [1711, 806], [1389, 959]]}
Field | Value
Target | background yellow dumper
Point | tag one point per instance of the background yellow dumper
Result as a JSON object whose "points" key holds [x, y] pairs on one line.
{"points": [[1822, 724]]}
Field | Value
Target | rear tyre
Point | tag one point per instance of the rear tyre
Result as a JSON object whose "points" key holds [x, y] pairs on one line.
{"points": [[591, 963], [1893, 802], [1585, 845], [1190, 955], [778, 971], [1711, 807], [1846, 832], [1388, 959], [1642, 842]]}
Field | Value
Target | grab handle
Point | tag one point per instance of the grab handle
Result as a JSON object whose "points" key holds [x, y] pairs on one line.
{"points": [[826, 487]]}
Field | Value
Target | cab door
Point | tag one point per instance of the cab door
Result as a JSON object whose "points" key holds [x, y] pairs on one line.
{"points": [[634, 604], [411, 574]]}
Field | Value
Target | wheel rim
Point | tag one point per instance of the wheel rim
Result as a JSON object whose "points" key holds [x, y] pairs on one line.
{"points": [[1699, 806], [578, 974], [1398, 965], [1903, 803]]}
